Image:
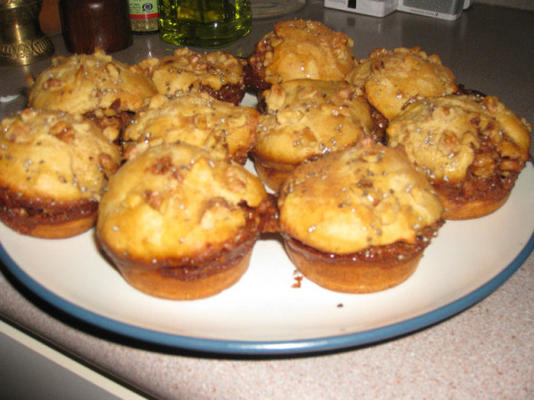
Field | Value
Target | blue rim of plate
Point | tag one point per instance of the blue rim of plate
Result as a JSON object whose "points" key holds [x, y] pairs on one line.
{"points": [[288, 347]]}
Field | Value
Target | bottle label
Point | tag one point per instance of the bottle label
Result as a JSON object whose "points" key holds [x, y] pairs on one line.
{"points": [[143, 9]]}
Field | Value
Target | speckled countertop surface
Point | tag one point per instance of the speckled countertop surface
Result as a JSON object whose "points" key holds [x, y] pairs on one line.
{"points": [[485, 352]]}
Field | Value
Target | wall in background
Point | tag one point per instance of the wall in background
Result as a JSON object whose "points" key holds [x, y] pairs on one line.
{"points": [[523, 4]]}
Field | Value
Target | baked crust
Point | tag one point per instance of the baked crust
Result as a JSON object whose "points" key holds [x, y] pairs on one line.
{"points": [[54, 168], [391, 78], [305, 119], [218, 73], [297, 49], [197, 119], [161, 282], [471, 148], [373, 269], [46, 217], [367, 195], [83, 83], [178, 208], [358, 220]]}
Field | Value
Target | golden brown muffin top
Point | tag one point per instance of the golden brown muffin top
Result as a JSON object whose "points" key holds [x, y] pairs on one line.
{"points": [[84, 83], [176, 200], [391, 78], [306, 118], [441, 135], [187, 70], [196, 119], [367, 195], [54, 155], [305, 49]]}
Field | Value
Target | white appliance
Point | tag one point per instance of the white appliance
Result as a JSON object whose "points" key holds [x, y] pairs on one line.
{"points": [[442, 9]]}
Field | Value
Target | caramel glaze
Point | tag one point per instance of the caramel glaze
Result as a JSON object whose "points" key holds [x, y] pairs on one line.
{"points": [[494, 186], [269, 215], [463, 90], [255, 73], [228, 93], [212, 260], [262, 105], [113, 117], [23, 214], [387, 256], [119, 120], [380, 125]]}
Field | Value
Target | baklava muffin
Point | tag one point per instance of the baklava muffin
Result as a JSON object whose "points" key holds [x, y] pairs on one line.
{"points": [[471, 148], [218, 73], [53, 170], [299, 49], [197, 119], [358, 221], [305, 119], [391, 78], [95, 85], [179, 222]]}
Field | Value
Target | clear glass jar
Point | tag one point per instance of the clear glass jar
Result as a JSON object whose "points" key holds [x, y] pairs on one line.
{"points": [[204, 23]]}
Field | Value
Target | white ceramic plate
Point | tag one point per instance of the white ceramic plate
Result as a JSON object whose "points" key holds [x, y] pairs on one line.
{"points": [[263, 313]]}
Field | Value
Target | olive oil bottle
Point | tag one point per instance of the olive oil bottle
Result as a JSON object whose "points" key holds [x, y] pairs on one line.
{"points": [[204, 23]]}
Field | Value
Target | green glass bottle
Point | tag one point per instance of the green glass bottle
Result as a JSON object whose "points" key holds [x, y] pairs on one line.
{"points": [[204, 23]]}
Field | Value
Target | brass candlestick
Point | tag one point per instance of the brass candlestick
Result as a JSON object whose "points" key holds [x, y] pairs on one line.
{"points": [[21, 40]]}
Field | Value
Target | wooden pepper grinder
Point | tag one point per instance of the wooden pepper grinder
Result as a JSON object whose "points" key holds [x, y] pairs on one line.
{"points": [[87, 24]]}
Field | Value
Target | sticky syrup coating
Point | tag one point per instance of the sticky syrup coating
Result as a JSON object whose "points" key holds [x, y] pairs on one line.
{"points": [[301, 49], [176, 201], [219, 73], [55, 155], [304, 119], [471, 148], [84, 83], [441, 135], [54, 168], [367, 195], [197, 119], [391, 78]]}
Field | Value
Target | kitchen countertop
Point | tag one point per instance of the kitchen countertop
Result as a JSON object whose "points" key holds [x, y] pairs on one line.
{"points": [[485, 352]]}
